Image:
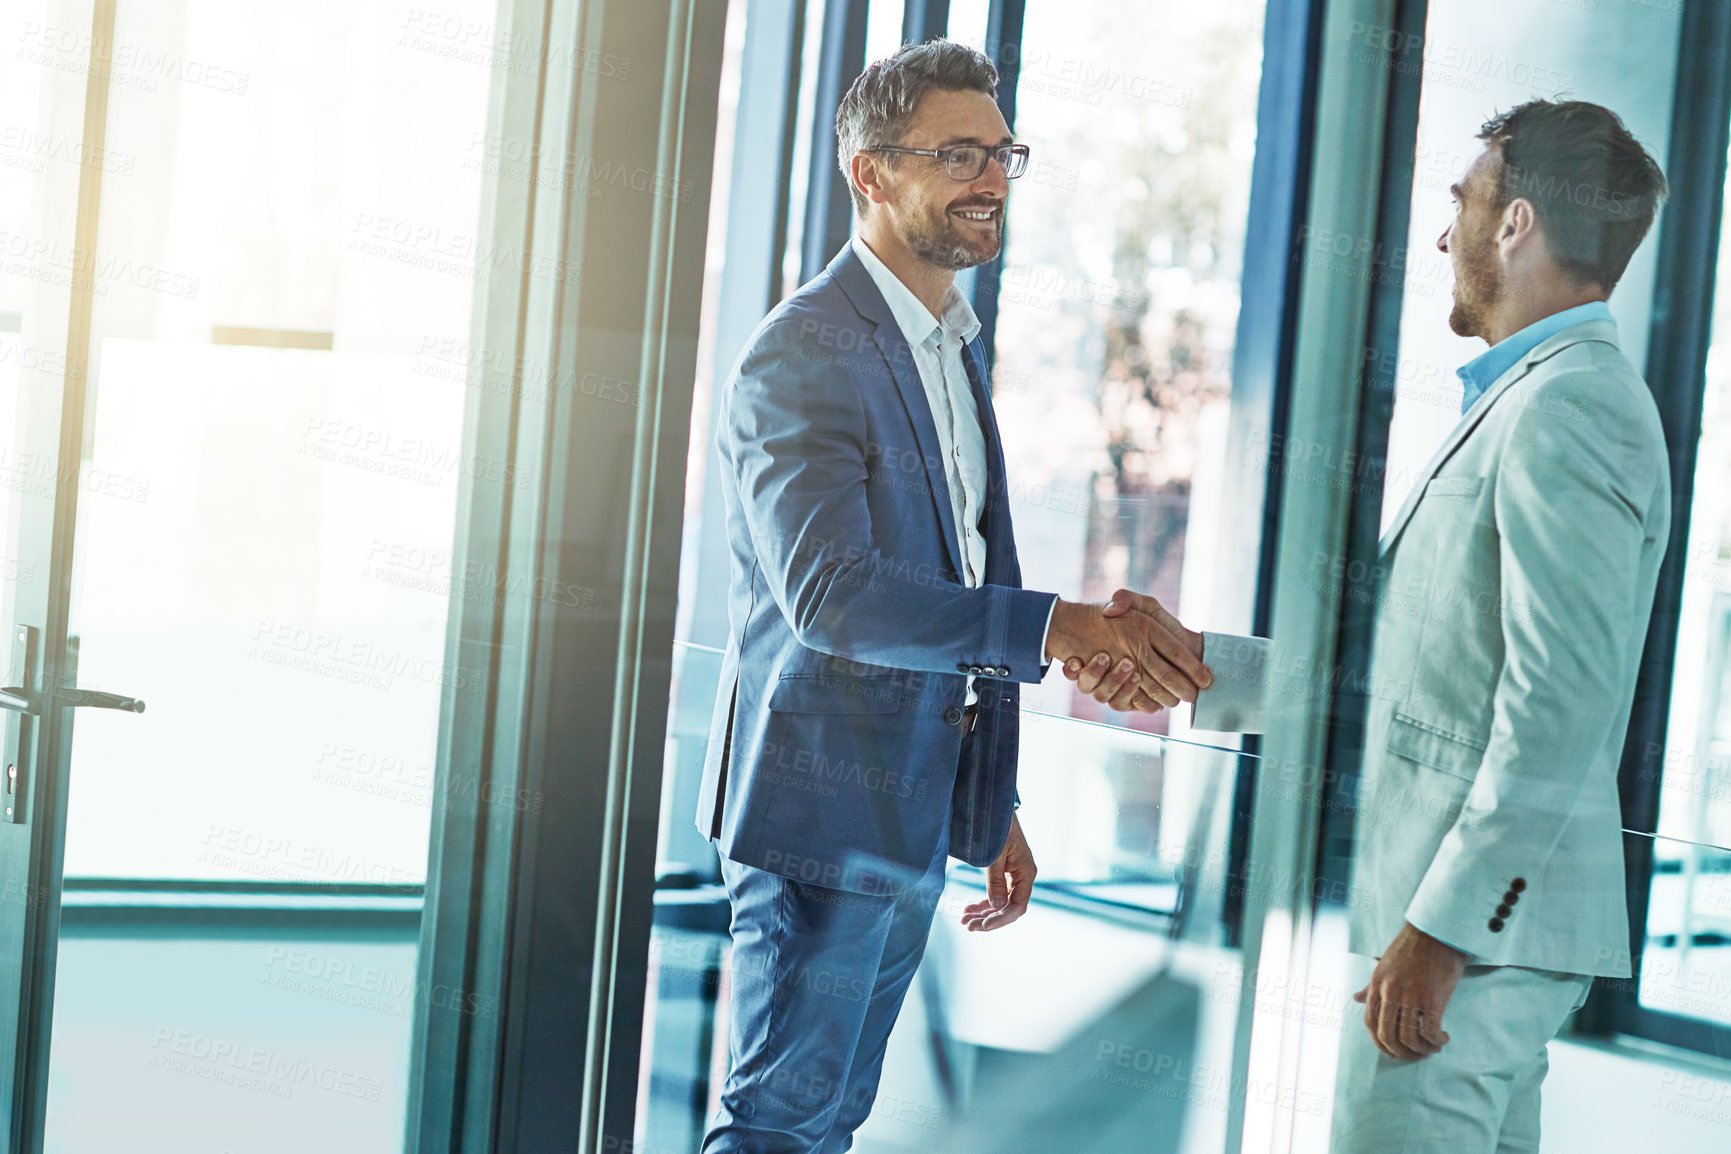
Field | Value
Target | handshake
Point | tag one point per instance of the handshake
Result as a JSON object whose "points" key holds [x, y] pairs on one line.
{"points": [[1129, 654]]}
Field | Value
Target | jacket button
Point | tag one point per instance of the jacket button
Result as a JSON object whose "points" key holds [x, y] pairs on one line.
{"points": [[1518, 884], [1003, 671], [952, 716], [1504, 911], [976, 670], [961, 667], [1511, 897], [1496, 925]]}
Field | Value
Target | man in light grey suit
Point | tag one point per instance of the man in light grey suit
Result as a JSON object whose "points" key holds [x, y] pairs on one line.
{"points": [[1517, 580]]}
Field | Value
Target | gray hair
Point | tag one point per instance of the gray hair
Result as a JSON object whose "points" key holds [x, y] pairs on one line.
{"points": [[878, 106]]}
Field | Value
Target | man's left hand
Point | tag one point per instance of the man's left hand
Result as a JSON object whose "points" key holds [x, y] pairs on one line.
{"points": [[1404, 1002], [1009, 884]]}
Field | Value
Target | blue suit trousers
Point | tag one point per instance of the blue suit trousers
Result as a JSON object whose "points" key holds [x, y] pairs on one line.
{"points": [[818, 976]]}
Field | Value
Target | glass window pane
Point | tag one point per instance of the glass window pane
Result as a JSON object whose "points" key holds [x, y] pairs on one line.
{"points": [[285, 274], [1131, 830], [1689, 911], [1120, 300]]}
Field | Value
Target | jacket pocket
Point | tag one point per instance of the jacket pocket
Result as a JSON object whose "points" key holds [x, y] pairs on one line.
{"points": [[1454, 486], [1437, 748], [830, 693]]}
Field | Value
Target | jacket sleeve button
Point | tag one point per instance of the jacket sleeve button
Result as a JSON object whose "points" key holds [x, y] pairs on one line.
{"points": [[1504, 911], [1511, 897], [961, 667], [1496, 925], [1518, 885]]}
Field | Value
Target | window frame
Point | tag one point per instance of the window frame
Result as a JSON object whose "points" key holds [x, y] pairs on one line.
{"points": [[1680, 335]]}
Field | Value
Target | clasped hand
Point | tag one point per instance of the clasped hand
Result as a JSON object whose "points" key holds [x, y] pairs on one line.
{"points": [[1129, 653]]}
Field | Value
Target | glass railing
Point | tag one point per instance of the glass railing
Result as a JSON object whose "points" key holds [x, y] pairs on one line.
{"points": [[1125, 939], [1110, 1006], [1686, 962]]}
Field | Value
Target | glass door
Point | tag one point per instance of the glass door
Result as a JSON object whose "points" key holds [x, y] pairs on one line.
{"points": [[48, 190], [234, 327]]}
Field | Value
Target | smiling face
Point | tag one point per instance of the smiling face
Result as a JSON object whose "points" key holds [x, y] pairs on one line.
{"points": [[951, 224], [1471, 242]]}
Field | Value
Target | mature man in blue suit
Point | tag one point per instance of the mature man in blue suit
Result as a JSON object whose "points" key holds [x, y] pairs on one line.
{"points": [[867, 724]]}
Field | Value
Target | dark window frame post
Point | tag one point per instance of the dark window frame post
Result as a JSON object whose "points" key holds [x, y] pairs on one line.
{"points": [[1680, 334]]}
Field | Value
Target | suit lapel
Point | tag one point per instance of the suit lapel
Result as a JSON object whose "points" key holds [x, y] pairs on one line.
{"points": [[1466, 425], [1592, 330], [1000, 544], [913, 390], [857, 283]]}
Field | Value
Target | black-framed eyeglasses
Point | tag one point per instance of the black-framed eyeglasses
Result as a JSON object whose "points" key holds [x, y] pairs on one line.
{"points": [[968, 161]]}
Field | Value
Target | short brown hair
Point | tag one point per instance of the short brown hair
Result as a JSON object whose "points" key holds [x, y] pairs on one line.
{"points": [[883, 99], [1594, 188]]}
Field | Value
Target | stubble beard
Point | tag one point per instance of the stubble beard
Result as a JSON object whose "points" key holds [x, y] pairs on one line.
{"points": [[939, 242], [1477, 287]]}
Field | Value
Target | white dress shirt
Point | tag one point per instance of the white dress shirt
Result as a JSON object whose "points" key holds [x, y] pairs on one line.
{"points": [[937, 347]]}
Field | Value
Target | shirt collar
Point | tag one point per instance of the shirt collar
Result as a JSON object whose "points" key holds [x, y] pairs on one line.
{"points": [[1480, 373], [912, 317]]}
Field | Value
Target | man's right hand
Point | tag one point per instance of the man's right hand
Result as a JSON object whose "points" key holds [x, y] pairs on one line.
{"points": [[1158, 662], [1106, 679]]}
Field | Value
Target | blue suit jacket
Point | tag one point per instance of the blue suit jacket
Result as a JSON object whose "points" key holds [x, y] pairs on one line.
{"points": [[837, 740]]}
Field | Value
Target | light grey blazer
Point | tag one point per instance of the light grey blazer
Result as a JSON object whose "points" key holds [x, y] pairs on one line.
{"points": [[1515, 587]]}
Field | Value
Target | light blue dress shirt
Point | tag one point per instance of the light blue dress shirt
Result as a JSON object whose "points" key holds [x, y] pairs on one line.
{"points": [[1482, 371]]}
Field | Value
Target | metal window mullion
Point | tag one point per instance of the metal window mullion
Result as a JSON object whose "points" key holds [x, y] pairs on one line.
{"points": [[1263, 341], [1681, 333], [1004, 21], [41, 857], [581, 884], [828, 204], [455, 1080], [1345, 192], [923, 20]]}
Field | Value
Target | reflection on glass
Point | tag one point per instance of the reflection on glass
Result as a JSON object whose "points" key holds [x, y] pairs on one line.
{"points": [[1119, 971], [1120, 297], [279, 370], [41, 166], [1608, 1097], [1689, 915], [283, 277]]}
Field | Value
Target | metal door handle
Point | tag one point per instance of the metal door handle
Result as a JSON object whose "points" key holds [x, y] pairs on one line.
{"points": [[28, 702], [23, 701]]}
